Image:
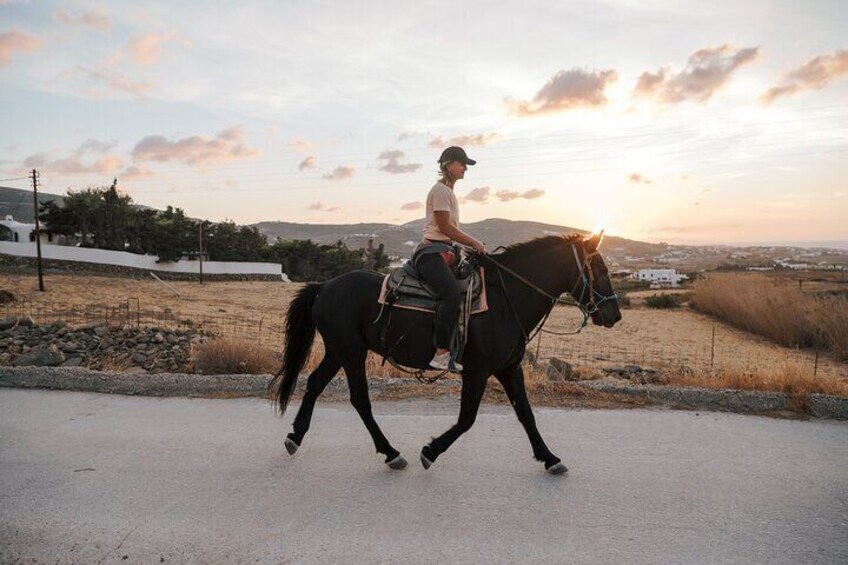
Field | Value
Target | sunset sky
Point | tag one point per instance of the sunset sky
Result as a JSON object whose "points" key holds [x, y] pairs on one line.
{"points": [[686, 122]]}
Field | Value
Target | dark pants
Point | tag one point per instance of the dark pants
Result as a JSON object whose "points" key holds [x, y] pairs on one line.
{"points": [[438, 276]]}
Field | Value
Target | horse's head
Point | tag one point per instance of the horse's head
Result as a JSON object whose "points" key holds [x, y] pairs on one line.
{"points": [[592, 287]]}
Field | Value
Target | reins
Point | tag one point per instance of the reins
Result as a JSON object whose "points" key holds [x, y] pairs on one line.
{"points": [[587, 283]]}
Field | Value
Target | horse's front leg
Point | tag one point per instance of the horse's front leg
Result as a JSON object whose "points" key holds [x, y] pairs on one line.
{"points": [[512, 379], [473, 386], [358, 384]]}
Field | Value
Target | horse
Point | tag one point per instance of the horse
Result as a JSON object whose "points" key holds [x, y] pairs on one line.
{"points": [[523, 283]]}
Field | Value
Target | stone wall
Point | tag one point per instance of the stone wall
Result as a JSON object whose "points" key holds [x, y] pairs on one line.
{"points": [[97, 346]]}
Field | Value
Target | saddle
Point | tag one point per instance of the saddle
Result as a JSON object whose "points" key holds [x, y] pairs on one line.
{"points": [[402, 289]]}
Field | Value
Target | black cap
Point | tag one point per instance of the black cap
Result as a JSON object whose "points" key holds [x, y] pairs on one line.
{"points": [[456, 154]]}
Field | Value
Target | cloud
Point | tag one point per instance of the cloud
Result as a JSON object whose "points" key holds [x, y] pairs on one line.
{"points": [[407, 135], [195, 150], [322, 207], [392, 164], [135, 172], [412, 206], [482, 194], [340, 173], [637, 178], [507, 195], [116, 80], [76, 162], [479, 139], [11, 41], [479, 194], [812, 75], [308, 163], [92, 19], [146, 50], [301, 145], [566, 90], [707, 70]]}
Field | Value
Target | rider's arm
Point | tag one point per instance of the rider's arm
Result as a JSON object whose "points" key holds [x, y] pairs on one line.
{"points": [[456, 234]]}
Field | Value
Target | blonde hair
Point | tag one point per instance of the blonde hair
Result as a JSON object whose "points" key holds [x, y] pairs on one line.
{"points": [[444, 176]]}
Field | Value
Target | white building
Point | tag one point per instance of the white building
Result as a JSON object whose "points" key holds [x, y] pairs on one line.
{"points": [[24, 233], [660, 277]]}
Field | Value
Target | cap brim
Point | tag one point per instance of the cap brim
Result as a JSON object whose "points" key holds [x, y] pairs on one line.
{"points": [[470, 162]]}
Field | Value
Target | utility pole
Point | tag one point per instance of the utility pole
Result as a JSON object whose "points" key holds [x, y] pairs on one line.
{"points": [[37, 228], [200, 239]]}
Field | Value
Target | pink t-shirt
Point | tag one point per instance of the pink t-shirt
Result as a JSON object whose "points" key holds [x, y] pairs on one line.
{"points": [[440, 199]]}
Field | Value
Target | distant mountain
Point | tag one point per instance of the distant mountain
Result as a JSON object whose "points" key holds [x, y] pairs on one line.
{"points": [[18, 203], [399, 240]]}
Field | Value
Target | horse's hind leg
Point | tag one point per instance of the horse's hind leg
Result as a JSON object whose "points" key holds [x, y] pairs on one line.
{"points": [[358, 383], [318, 380], [512, 379], [473, 387]]}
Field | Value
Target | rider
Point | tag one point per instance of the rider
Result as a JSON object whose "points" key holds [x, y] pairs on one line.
{"points": [[436, 257]]}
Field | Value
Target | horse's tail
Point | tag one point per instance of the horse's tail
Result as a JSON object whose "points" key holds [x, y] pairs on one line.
{"points": [[300, 333]]}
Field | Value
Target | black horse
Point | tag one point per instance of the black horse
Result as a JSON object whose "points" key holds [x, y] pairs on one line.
{"points": [[522, 284]]}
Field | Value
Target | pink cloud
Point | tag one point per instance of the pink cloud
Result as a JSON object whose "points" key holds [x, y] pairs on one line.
{"points": [[320, 206], [117, 81], [77, 162], [392, 164], [636, 178], [566, 90], [812, 75], [146, 50], [340, 173], [196, 150], [93, 19], [12, 41], [412, 206], [308, 163], [706, 72], [479, 139], [135, 172], [482, 194]]}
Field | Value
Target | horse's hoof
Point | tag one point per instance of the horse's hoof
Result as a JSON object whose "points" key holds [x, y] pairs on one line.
{"points": [[425, 462], [397, 463], [291, 446], [557, 469]]}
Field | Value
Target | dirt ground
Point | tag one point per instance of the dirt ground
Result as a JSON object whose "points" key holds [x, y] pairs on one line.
{"points": [[665, 339]]}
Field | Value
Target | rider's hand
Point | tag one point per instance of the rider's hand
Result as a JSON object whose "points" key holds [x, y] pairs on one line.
{"points": [[479, 247]]}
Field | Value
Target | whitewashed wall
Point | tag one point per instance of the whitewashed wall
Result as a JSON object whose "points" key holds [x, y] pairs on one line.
{"points": [[147, 262]]}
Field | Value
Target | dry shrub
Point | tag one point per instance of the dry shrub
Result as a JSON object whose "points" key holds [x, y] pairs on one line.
{"points": [[778, 311], [790, 378], [111, 364], [233, 356]]}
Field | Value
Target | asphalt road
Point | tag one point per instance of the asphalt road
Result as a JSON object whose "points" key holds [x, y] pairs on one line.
{"points": [[88, 478]]}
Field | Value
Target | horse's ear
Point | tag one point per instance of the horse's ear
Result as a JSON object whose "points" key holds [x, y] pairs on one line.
{"points": [[594, 242]]}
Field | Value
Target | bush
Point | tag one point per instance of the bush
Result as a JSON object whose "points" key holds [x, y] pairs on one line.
{"points": [[226, 356], [664, 301]]}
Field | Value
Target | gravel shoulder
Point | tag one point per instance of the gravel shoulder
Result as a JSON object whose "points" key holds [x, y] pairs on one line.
{"points": [[593, 394]]}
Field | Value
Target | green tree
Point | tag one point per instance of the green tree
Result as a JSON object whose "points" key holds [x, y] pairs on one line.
{"points": [[173, 235]]}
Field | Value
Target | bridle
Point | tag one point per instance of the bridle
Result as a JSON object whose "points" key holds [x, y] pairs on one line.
{"points": [[588, 310]]}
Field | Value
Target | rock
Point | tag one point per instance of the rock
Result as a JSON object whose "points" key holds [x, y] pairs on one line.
{"points": [[6, 297], [559, 370], [138, 358], [13, 322], [40, 357], [70, 347], [101, 330], [136, 371], [72, 362], [158, 338]]}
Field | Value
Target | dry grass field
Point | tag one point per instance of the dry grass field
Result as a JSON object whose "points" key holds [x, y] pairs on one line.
{"points": [[677, 342]]}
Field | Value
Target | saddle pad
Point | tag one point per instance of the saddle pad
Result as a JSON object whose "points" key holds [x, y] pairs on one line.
{"points": [[412, 294]]}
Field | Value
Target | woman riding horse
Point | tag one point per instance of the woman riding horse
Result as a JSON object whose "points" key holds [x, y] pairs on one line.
{"points": [[523, 284]]}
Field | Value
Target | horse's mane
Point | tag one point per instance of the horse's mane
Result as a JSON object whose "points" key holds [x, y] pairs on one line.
{"points": [[533, 246]]}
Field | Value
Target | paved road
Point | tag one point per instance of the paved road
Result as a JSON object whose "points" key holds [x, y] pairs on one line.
{"points": [[86, 478]]}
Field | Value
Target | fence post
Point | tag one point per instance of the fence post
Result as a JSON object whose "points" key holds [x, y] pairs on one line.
{"points": [[712, 349], [816, 364]]}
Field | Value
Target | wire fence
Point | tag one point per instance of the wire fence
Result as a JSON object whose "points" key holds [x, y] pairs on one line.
{"points": [[591, 351], [266, 328]]}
